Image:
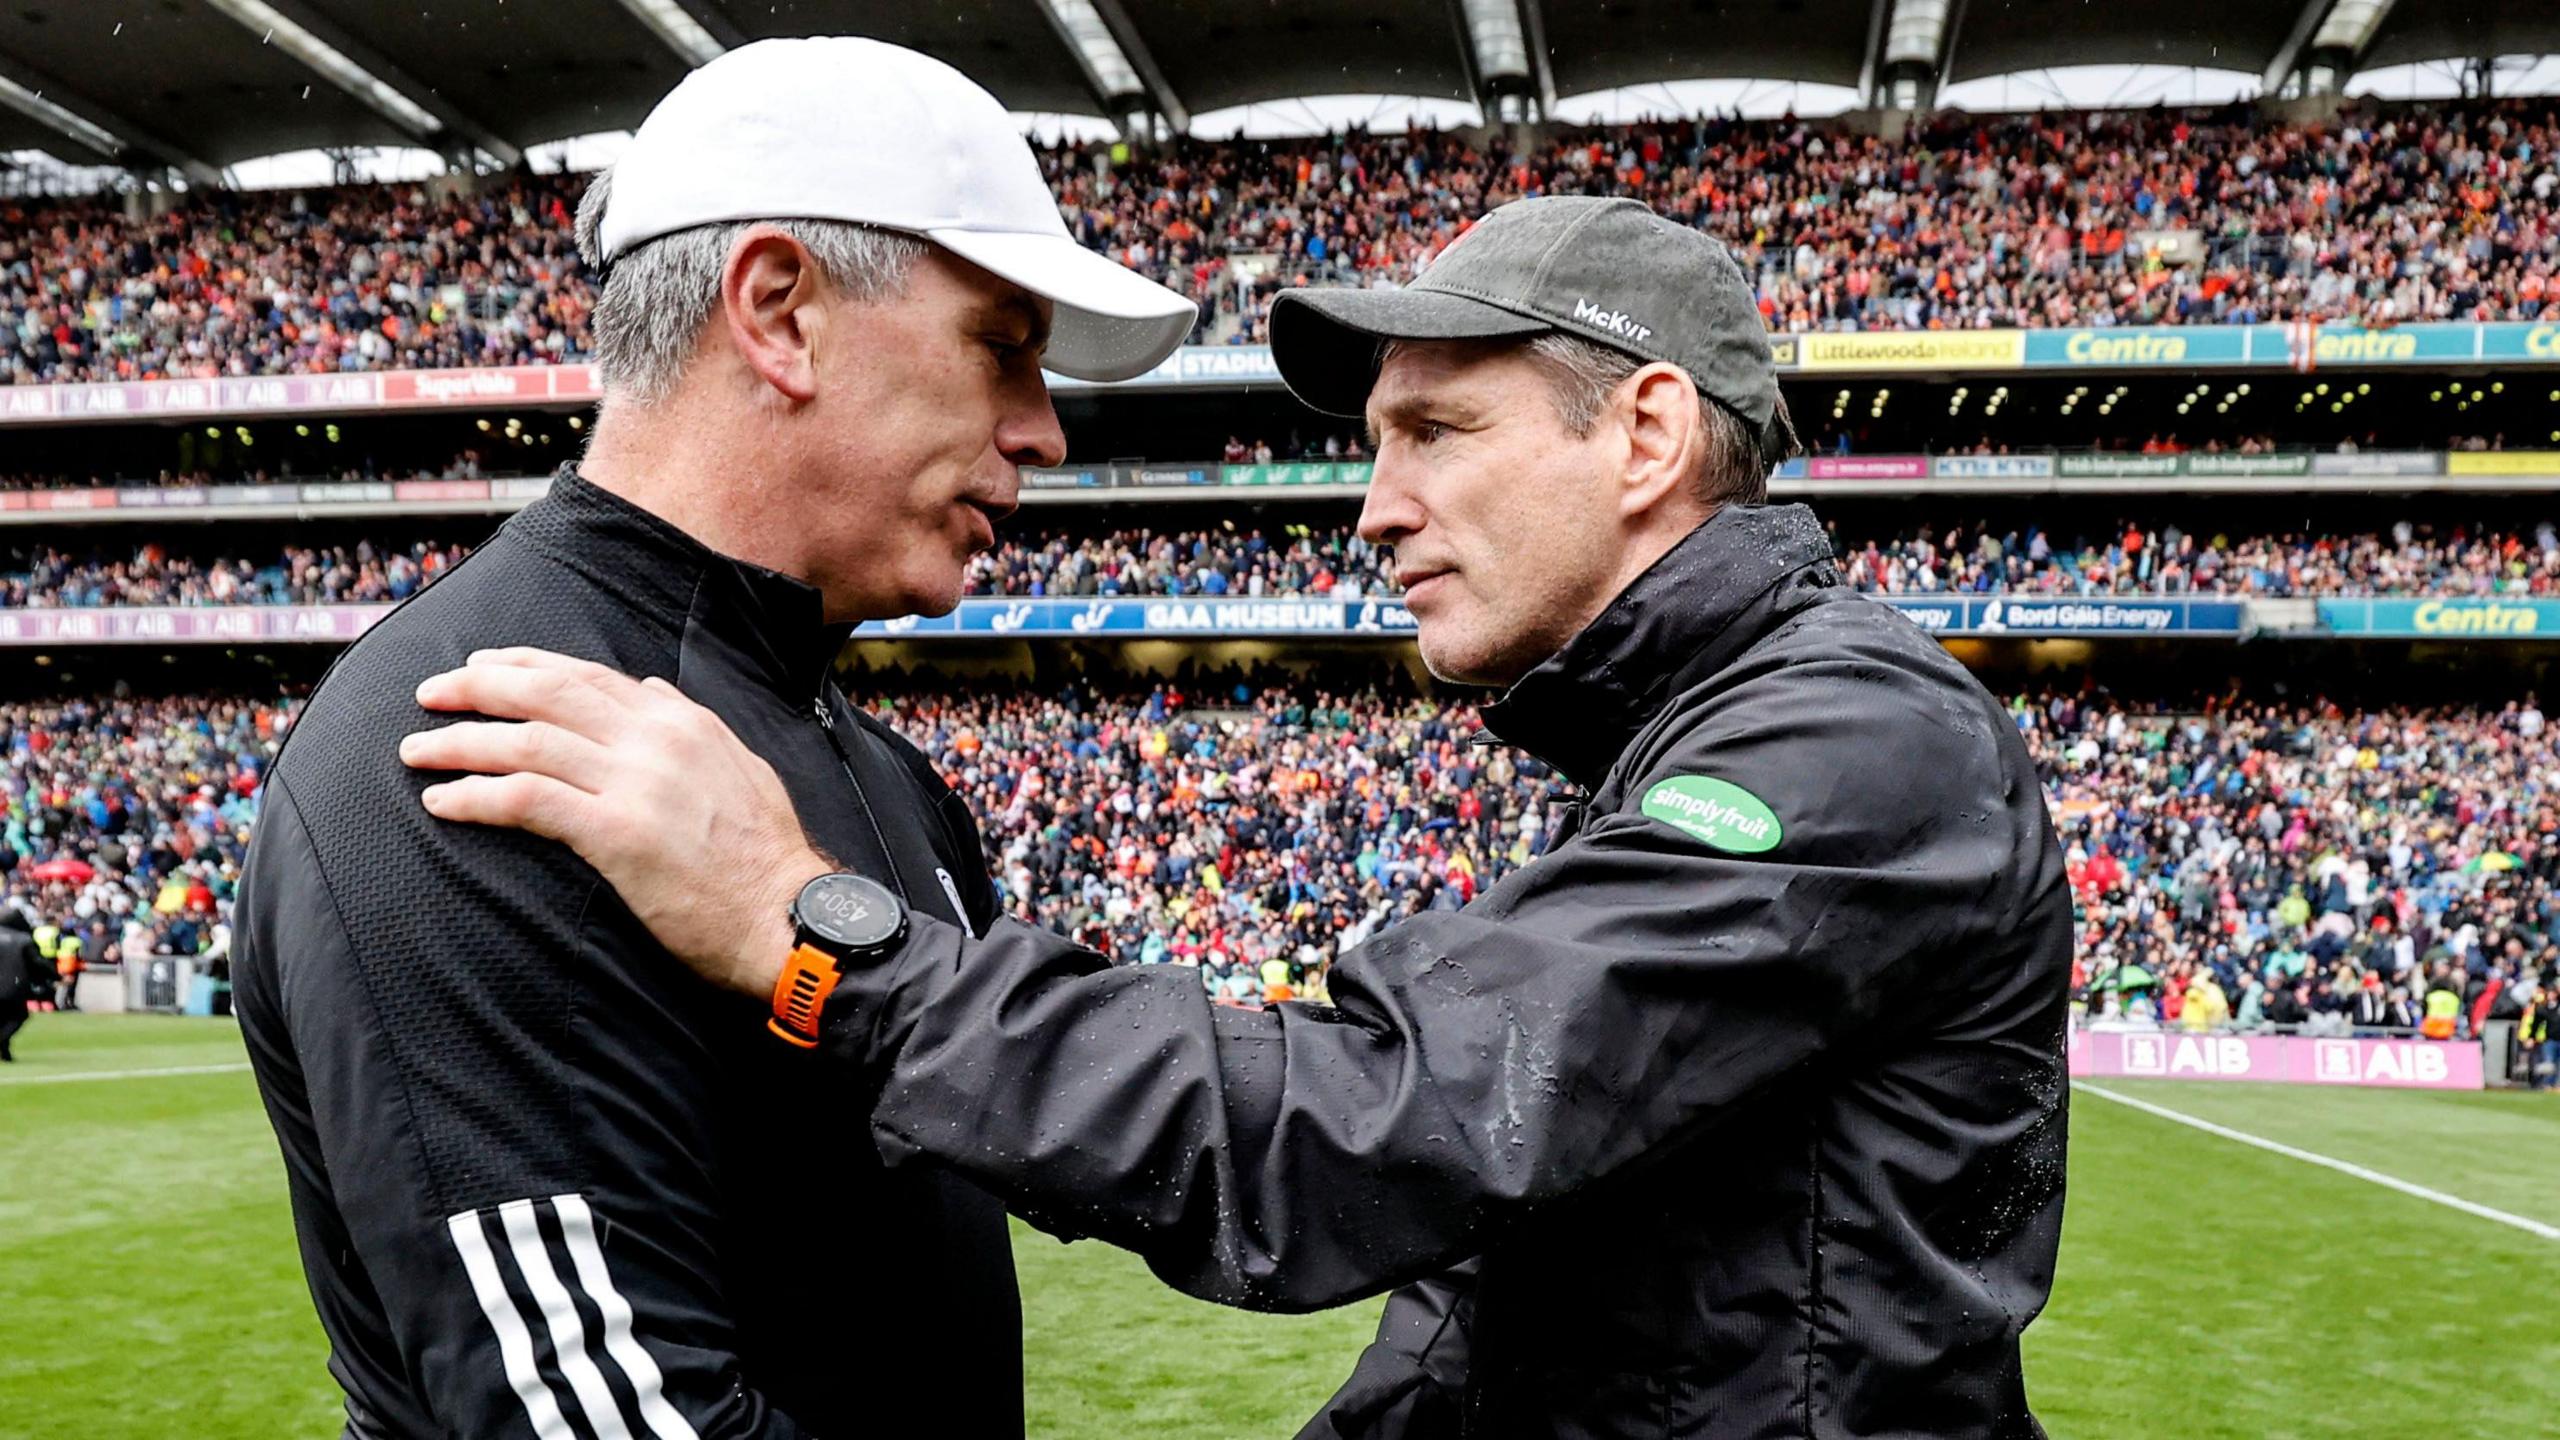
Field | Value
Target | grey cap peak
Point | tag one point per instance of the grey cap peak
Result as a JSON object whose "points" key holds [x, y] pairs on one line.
{"points": [[1610, 271]]}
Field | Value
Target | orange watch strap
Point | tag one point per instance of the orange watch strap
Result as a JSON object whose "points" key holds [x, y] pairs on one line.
{"points": [[801, 993]]}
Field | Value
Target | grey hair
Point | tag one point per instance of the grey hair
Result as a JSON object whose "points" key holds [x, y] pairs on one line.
{"points": [[1582, 376], [659, 294]]}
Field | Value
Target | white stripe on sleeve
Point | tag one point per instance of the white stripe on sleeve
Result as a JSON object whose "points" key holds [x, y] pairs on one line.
{"points": [[515, 1343], [578, 1224], [560, 1313]]}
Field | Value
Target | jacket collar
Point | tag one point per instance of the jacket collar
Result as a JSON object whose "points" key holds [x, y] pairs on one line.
{"points": [[778, 622], [1581, 708]]}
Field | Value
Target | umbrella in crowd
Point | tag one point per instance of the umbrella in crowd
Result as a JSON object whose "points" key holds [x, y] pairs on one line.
{"points": [[65, 869], [2492, 861]]}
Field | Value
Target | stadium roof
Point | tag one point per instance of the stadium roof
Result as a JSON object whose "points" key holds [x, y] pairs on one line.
{"points": [[204, 84]]}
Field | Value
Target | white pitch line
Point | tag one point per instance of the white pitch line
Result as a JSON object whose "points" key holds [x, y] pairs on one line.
{"points": [[2388, 1182], [227, 1069]]}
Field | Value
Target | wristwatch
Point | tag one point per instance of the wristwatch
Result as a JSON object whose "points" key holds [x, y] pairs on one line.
{"points": [[838, 921]]}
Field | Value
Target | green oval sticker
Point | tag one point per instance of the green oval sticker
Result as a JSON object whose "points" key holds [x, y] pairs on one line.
{"points": [[1723, 815]]}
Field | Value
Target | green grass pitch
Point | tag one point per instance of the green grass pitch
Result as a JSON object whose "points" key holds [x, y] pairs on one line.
{"points": [[149, 1288]]}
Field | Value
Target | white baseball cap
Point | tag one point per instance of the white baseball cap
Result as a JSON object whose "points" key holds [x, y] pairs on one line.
{"points": [[834, 127]]}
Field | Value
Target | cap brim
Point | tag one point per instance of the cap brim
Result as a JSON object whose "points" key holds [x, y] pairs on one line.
{"points": [[1326, 342], [1111, 323]]}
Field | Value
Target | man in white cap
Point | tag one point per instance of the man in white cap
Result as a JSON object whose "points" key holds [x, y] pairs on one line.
{"points": [[546, 1186]]}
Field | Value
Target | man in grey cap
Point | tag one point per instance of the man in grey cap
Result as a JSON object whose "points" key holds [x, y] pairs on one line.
{"points": [[1739, 1112]]}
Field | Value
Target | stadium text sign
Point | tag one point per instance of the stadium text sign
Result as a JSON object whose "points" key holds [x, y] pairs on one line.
{"points": [[2062, 615], [1913, 350], [1152, 615], [1214, 367], [251, 396], [2292, 1059], [2467, 619], [187, 624], [1115, 615]]}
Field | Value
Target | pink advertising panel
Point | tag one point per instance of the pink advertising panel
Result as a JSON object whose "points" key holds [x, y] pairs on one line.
{"points": [[2290, 1059], [187, 624], [251, 396]]}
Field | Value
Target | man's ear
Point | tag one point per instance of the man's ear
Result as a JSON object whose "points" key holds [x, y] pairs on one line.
{"points": [[770, 294], [1658, 406]]}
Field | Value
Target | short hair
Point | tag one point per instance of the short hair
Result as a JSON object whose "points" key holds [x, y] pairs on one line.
{"points": [[1581, 376], [658, 294]]}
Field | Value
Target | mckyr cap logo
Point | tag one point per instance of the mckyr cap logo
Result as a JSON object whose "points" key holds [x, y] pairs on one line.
{"points": [[1613, 321], [1721, 814]]}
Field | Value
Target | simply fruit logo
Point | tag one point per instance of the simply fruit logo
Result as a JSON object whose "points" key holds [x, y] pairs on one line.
{"points": [[1721, 814]]}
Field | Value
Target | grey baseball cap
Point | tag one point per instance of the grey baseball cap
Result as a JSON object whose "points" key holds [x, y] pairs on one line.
{"points": [[1609, 271]]}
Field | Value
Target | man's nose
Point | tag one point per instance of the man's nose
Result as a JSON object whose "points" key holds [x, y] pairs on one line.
{"points": [[1029, 433], [1391, 512]]}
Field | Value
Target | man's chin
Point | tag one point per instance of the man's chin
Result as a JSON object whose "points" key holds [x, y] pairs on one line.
{"points": [[1451, 658], [1466, 655]]}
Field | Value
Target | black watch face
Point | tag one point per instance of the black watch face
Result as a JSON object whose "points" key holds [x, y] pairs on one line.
{"points": [[849, 911]]}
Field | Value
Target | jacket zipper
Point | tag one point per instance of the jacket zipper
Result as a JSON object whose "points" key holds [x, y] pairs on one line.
{"points": [[827, 723]]}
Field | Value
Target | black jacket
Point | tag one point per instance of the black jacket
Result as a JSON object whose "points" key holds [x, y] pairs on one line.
{"points": [[23, 973], [541, 1175], [1739, 1113]]}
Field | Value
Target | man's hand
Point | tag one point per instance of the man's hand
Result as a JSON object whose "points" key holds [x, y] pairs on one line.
{"points": [[691, 827]]}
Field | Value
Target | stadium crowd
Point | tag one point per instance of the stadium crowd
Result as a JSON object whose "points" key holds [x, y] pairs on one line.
{"points": [[468, 465], [1250, 833], [378, 277], [1299, 560], [153, 574], [2127, 558], [2044, 219], [2242, 864], [2265, 864], [123, 821], [2156, 559], [2442, 212]]}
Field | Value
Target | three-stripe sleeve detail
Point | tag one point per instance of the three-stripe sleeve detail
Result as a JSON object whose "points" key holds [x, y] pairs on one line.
{"points": [[556, 1268]]}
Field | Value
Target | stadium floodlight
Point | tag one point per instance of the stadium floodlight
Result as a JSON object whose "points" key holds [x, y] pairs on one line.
{"points": [[44, 112], [1501, 44], [1096, 47], [375, 92], [1915, 46], [1916, 32], [675, 26], [2350, 25]]}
